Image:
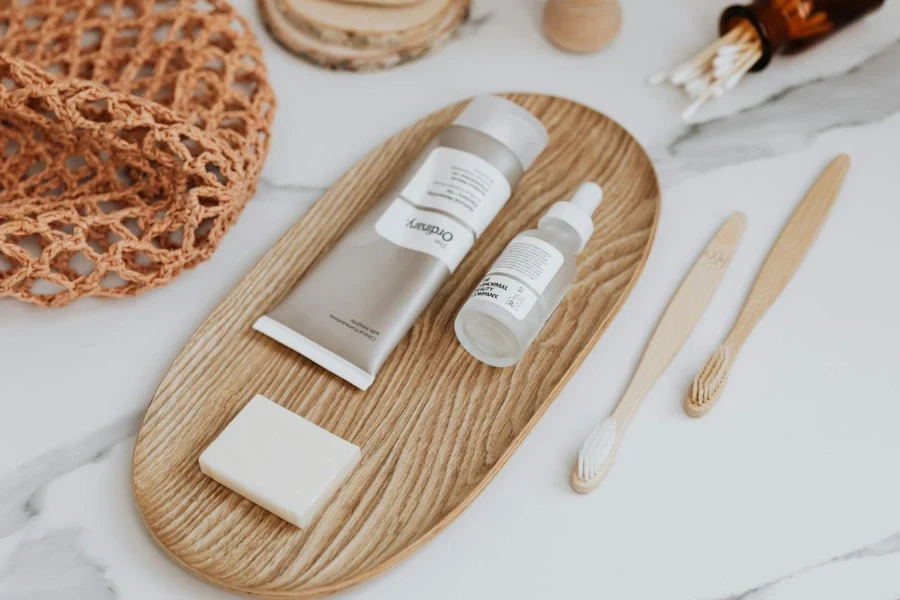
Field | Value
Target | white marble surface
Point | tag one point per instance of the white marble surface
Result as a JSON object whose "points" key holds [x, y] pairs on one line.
{"points": [[789, 489]]}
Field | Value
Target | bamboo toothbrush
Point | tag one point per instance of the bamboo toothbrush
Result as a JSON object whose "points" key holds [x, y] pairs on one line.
{"points": [[683, 312], [784, 258]]}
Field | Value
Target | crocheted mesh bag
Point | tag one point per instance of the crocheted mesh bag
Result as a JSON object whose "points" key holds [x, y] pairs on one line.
{"points": [[132, 133]]}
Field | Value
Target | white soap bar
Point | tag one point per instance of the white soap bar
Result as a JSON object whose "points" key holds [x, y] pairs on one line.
{"points": [[279, 460]]}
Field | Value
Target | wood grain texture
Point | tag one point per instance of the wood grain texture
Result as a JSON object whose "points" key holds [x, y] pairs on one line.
{"points": [[582, 25], [436, 426], [783, 260], [354, 24], [383, 3], [790, 248], [684, 311], [367, 38], [674, 327]]}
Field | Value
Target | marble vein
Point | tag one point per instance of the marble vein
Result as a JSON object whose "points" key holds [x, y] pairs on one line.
{"points": [[783, 123], [20, 490], [884, 547], [789, 120], [74, 575]]}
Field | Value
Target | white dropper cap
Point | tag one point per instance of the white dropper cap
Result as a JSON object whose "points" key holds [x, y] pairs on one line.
{"points": [[576, 213], [508, 123]]}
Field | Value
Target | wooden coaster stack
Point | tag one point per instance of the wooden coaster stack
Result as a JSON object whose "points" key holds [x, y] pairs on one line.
{"points": [[361, 35]]}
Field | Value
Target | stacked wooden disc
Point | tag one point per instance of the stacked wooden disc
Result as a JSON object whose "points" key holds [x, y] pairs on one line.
{"points": [[362, 35]]}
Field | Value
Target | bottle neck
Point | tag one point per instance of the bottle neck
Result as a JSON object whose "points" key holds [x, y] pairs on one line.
{"points": [[564, 236]]}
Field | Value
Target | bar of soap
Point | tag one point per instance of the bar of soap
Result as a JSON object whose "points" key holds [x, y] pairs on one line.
{"points": [[279, 460]]}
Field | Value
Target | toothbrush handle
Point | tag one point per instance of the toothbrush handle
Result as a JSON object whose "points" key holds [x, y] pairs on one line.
{"points": [[792, 245], [682, 314]]}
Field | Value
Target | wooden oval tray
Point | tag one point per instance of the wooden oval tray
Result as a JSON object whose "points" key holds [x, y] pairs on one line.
{"points": [[436, 425]]}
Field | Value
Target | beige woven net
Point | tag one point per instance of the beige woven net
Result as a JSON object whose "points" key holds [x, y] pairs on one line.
{"points": [[132, 133]]}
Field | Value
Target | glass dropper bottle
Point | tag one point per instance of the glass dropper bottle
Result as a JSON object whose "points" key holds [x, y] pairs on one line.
{"points": [[752, 34]]}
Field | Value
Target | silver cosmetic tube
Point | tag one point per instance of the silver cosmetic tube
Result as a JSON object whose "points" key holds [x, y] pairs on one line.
{"points": [[352, 308]]}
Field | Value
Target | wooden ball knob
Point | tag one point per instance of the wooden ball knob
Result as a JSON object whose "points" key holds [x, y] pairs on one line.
{"points": [[582, 25]]}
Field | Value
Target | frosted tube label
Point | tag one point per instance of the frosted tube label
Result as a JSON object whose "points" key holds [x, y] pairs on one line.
{"points": [[444, 238], [459, 184]]}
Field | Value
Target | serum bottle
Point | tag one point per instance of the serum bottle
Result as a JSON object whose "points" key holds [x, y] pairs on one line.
{"points": [[525, 284]]}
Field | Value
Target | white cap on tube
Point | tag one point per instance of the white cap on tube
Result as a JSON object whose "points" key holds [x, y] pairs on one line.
{"points": [[508, 123], [577, 211]]}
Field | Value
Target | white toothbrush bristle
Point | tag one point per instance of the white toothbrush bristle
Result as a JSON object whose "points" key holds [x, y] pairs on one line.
{"points": [[597, 450]]}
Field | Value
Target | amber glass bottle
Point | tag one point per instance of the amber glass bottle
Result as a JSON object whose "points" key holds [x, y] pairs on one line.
{"points": [[792, 25]]}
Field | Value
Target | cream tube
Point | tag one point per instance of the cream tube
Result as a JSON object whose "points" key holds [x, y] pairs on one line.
{"points": [[353, 307]]}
